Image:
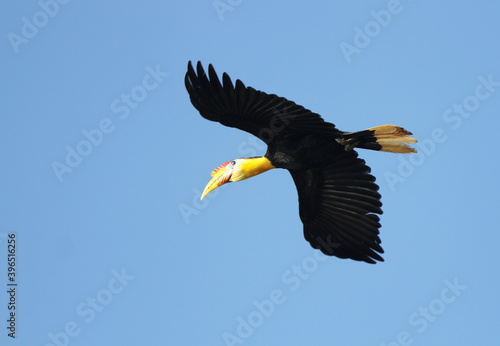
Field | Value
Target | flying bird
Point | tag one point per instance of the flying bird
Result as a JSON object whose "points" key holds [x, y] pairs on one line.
{"points": [[338, 197]]}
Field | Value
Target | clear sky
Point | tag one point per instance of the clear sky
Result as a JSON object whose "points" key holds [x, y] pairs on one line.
{"points": [[104, 159]]}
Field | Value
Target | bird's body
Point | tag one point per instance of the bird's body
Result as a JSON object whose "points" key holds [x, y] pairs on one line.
{"points": [[301, 151], [338, 199]]}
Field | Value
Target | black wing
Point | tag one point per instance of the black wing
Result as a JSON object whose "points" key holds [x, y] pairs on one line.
{"points": [[337, 206], [266, 116]]}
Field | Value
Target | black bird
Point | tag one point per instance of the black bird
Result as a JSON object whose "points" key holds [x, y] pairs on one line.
{"points": [[338, 197]]}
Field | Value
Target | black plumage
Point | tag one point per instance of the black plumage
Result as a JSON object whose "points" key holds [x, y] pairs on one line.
{"points": [[338, 197]]}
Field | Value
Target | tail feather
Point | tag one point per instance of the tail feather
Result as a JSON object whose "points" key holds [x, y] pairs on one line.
{"points": [[389, 138]]}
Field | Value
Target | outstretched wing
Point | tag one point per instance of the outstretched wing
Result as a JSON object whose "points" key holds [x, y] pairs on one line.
{"points": [[338, 205], [266, 116]]}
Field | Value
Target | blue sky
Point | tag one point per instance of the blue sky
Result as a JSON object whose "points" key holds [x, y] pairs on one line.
{"points": [[104, 160]]}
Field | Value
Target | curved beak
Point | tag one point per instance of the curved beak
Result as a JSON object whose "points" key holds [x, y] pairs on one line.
{"points": [[220, 176]]}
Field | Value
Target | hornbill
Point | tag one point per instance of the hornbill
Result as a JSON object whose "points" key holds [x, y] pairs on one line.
{"points": [[338, 197]]}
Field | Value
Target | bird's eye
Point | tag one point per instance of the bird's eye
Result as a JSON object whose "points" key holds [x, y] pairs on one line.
{"points": [[233, 163]]}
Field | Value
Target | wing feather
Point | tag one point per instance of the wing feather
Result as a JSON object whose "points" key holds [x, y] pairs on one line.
{"points": [[338, 197], [248, 109], [338, 204]]}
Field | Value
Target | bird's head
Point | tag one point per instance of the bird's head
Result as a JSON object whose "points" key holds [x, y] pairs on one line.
{"points": [[237, 170]]}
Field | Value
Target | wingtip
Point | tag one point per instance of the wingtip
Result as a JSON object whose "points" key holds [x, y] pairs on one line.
{"points": [[211, 70], [226, 81], [199, 69], [190, 69]]}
